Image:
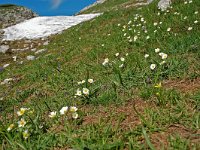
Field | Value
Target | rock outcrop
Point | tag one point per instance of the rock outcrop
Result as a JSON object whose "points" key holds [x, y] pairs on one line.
{"points": [[12, 14]]}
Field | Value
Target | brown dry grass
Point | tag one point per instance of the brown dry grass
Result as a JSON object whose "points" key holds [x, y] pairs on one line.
{"points": [[185, 86]]}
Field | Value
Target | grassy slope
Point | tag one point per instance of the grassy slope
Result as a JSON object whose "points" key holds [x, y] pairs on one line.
{"points": [[126, 111]]}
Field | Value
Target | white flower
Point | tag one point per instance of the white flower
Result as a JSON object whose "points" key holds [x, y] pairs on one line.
{"points": [[78, 92], [195, 21], [164, 56], [148, 37], [102, 45], [155, 23], [80, 82], [119, 25], [169, 29], [155, 31], [196, 12], [122, 59], [185, 17], [85, 91], [10, 127], [125, 34], [152, 66], [64, 110], [130, 22], [158, 13], [135, 38], [52, 114], [190, 28], [25, 134], [160, 22], [21, 111], [21, 123], [73, 109], [75, 115], [146, 55], [128, 37], [124, 26], [142, 19], [106, 60], [185, 2], [126, 54], [122, 65], [83, 81], [190, 1], [130, 40], [161, 53], [163, 62], [117, 54], [157, 50], [90, 80], [14, 58]]}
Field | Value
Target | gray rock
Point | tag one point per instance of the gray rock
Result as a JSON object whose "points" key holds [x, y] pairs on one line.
{"points": [[30, 57], [164, 4], [4, 48], [40, 51], [12, 14]]}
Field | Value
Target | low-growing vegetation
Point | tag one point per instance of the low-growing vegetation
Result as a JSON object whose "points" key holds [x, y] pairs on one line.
{"points": [[129, 79]]}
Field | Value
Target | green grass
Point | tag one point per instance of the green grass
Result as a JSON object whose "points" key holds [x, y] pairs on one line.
{"points": [[124, 109]]}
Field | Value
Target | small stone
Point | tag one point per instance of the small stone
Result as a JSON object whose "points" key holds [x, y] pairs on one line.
{"points": [[30, 57], [46, 43], [6, 65], [33, 50], [40, 51], [4, 48], [6, 81], [164, 4]]}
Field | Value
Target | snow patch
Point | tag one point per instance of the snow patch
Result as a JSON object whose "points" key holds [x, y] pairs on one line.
{"points": [[40, 27]]}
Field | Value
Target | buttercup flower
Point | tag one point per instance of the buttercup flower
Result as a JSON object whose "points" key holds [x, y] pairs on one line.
{"points": [[90, 80], [152, 66], [25, 134], [63, 110], [10, 127], [21, 123], [159, 85], [73, 109], [75, 115], [52, 114], [85, 91]]}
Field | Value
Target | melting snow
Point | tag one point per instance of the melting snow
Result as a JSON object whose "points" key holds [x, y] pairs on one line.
{"points": [[40, 27]]}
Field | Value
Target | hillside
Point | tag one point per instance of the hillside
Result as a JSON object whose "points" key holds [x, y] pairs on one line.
{"points": [[128, 79]]}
